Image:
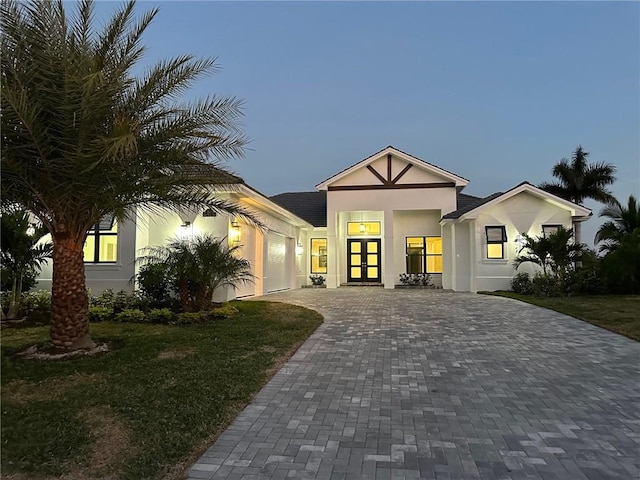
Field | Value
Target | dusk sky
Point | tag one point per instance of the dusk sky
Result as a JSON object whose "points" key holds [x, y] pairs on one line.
{"points": [[496, 92]]}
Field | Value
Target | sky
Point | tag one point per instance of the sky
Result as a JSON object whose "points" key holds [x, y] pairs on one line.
{"points": [[496, 92]]}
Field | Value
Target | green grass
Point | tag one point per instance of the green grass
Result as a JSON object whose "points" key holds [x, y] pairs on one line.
{"points": [[58, 416], [618, 313]]}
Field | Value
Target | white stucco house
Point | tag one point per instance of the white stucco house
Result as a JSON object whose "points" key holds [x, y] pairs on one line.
{"points": [[388, 214]]}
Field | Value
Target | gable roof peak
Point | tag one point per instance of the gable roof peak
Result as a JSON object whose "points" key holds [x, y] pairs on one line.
{"points": [[459, 181]]}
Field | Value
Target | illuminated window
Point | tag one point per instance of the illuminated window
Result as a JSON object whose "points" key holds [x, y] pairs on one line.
{"points": [[363, 228], [424, 254], [496, 238], [318, 255], [549, 229], [101, 245]]}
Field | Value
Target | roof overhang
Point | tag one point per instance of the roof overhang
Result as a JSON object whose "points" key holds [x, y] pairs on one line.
{"points": [[579, 213], [261, 202]]}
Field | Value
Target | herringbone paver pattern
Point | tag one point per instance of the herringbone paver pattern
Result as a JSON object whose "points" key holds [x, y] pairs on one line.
{"points": [[437, 385]]}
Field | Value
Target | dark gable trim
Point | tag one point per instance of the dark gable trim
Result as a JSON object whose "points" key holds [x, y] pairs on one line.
{"points": [[389, 180], [393, 186]]}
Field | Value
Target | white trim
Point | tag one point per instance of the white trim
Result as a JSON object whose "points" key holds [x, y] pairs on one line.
{"points": [[578, 211]]}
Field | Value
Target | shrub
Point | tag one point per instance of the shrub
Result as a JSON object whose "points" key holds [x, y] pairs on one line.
{"points": [[546, 285], [191, 318], [119, 301], [131, 315], [100, 314], [585, 281], [160, 315], [316, 279], [37, 302], [156, 283], [521, 283], [225, 311], [416, 279]]}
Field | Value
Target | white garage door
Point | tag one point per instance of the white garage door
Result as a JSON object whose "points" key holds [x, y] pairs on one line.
{"points": [[277, 274]]}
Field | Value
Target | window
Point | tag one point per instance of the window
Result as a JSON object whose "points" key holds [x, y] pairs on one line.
{"points": [[363, 228], [101, 245], [318, 255], [424, 254], [496, 238], [549, 229]]}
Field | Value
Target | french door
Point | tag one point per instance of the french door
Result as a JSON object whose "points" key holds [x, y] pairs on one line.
{"points": [[363, 260]]}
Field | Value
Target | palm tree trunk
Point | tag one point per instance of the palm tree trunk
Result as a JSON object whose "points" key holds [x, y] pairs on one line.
{"points": [[14, 301], [69, 302]]}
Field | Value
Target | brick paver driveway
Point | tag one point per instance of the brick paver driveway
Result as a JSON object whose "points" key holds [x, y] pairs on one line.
{"points": [[431, 384]]}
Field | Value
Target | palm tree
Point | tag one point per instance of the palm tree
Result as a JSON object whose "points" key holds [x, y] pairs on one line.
{"points": [[578, 180], [624, 220], [20, 252], [82, 137], [198, 267], [555, 254]]}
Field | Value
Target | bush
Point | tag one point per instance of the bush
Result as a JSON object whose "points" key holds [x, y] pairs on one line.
{"points": [[547, 286], [416, 279], [100, 314], [191, 318], [160, 315], [119, 301], [36, 302], [225, 311], [521, 283], [316, 279], [155, 283], [585, 281], [131, 315]]}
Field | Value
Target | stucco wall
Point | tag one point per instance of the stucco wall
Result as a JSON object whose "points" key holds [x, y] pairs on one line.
{"points": [[116, 276], [414, 223], [522, 213]]}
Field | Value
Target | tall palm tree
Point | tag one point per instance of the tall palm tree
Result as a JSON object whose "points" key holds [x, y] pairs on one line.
{"points": [[579, 180], [624, 220], [82, 137]]}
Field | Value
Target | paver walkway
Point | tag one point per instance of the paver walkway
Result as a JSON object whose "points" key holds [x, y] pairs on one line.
{"points": [[431, 384]]}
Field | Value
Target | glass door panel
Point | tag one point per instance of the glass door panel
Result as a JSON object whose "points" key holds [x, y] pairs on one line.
{"points": [[363, 260]]}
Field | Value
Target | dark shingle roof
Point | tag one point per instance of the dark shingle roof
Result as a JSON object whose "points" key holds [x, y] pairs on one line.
{"points": [[210, 172], [466, 203], [310, 206]]}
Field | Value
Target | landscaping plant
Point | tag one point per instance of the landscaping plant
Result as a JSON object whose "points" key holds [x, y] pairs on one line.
{"points": [[86, 133], [198, 267], [21, 253]]}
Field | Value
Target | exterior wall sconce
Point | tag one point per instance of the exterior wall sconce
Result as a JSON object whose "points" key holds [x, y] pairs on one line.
{"points": [[234, 232], [299, 249], [185, 231]]}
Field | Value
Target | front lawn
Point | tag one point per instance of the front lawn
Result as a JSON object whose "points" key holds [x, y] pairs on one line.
{"points": [[618, 313], [148, 407]]}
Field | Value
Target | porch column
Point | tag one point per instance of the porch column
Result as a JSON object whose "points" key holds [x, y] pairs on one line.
{"points": [[388, 258], [454, 263], [332, 250], [472, 256]]}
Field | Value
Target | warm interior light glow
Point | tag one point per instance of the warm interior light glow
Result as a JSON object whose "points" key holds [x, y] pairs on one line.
{"points": [[234, 232]]}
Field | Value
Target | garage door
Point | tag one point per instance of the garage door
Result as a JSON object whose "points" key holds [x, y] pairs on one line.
{"points": [[277, 272]]}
